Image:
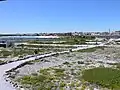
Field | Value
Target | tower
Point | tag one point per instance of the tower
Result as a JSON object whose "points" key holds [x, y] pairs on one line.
{"points": [[109, 31]]}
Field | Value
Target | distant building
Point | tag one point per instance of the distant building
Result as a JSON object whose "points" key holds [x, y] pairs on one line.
{"points": [[6, 44], [116, 33], [76, 34], [95, 33], [105, 33]]}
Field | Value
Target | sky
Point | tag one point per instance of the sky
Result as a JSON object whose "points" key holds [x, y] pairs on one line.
{"points": [[39, 16]]}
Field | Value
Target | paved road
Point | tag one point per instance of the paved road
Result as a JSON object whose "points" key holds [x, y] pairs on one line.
{"points": [[7, 86]]}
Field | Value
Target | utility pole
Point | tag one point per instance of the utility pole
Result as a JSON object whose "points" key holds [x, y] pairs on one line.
{"points": [[109, 31], [109, 34]]}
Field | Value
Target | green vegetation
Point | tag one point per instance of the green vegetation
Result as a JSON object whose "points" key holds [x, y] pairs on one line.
{"points": [[19, 52], [65, 40], [106, 77], [59, 72], [72, 84], [45, 80], [62, 84], [117, 65], [1, 62], [45, 46], [33, 61], [76, 39], [5, 53], [83, 87], [90, 49], [40, 42]]}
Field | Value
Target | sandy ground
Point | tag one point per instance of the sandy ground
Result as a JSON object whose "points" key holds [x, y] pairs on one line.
{"points": [[7, 86], [101, 57]]}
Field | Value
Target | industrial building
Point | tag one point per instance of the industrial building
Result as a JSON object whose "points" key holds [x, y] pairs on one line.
{"points": [[6, 43]]}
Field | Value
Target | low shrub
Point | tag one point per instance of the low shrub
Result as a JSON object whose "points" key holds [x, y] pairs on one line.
{"points": [[106, 77]]}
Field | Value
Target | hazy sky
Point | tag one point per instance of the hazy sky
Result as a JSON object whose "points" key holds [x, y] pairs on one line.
{"points": [[19, 16]]}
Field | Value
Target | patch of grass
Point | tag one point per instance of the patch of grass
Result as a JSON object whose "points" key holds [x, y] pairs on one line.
{"points": [[34, 61], [44, 80], [83, 87], [91, 49], [16, 52], [20, 52], [118, 65], [5, 53], [35, 81], [59, 72], [62, 84], [76, 39], [72, 84], [45, 46], [44, 71], [2, 62], [77, 84], [106, 77]]}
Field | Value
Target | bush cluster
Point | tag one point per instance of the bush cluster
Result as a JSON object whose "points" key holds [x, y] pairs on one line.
{"points": [[106, 77]]}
